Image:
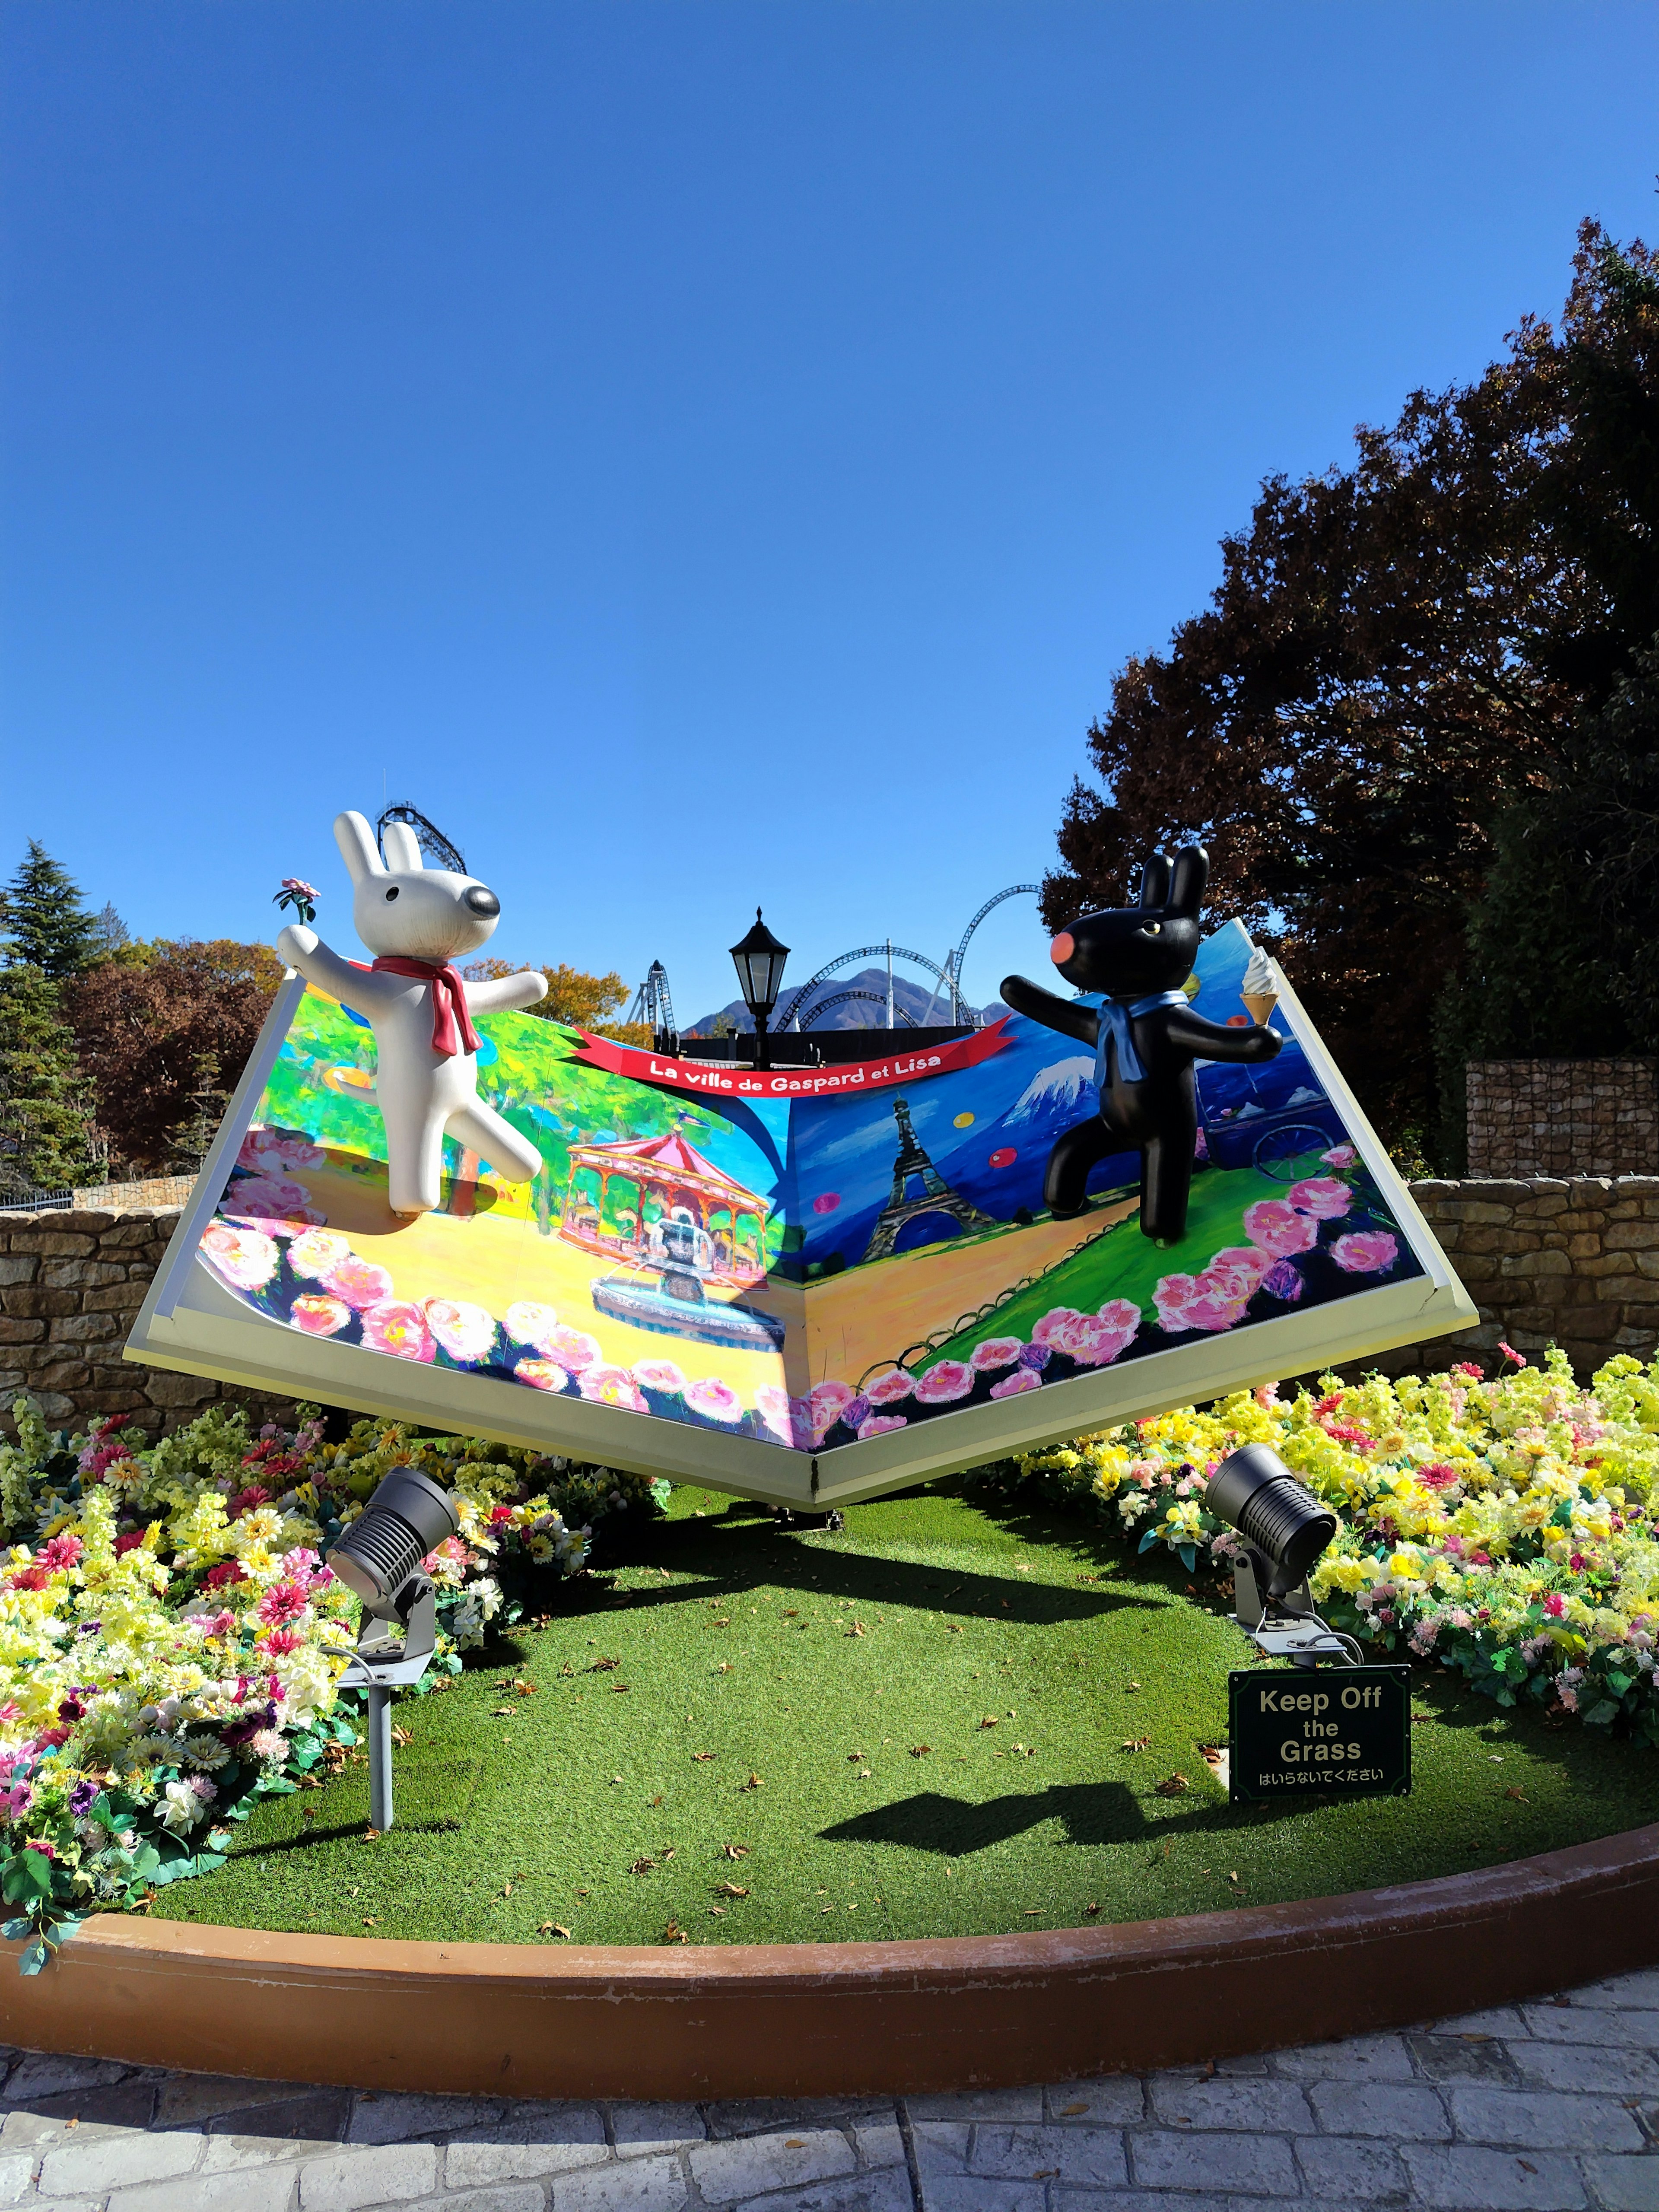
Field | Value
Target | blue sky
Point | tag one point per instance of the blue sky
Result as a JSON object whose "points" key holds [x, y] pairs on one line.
{"points": [[702, 454]]}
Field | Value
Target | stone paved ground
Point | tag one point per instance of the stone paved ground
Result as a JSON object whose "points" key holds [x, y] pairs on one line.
{"points": [[1518, 2110]]}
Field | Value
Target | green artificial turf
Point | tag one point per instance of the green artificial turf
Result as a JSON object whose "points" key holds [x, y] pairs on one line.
{"points": [[840, 1682]]}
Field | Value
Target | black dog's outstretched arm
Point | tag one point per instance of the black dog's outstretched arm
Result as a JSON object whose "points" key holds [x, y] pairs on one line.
{"points": [[1064, 1015], [1216, 1040]]}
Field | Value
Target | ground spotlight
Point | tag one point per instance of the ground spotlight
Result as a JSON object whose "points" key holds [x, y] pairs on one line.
{"points": [[380, 1557], [1284, 1528]]}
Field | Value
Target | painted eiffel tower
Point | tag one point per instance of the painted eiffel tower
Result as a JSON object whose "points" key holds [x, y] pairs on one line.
{"points": [[937, 1195]]}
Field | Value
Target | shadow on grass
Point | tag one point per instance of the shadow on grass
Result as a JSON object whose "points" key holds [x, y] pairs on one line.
{"points": [[1093, 1814]]}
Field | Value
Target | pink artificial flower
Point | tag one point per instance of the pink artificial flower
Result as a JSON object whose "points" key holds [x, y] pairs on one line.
{"points": [[129, 1542], [60, 1551], [1278, 1228], [942, 1385], [317, 1316], [890, 1387], [1323, 1196], [359, 1283], [1022, 1378], [397, 1326], [467, 1332], [1510, 1352], [227, 1570], [304, 1566], [881, 1425], [246, 1258], [245, 1501], [316, 1253], [572, 1348], [282, 1602], [1438, 1477], [28, 1578], [541, 1374], [995, 1353], [1339, 1157], [280, 1641], [270, 1745], [714, 1400], [528, 1322], [1555, 1605], [1366, 1252]]}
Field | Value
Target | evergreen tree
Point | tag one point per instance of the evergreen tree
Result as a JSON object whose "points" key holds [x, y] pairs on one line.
{"points": [[191, 1139], [109, 934], [46, 1136], [46, 925]]}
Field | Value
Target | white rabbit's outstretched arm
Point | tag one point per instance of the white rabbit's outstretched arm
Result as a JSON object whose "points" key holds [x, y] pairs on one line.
{"points": [[304, 949], [523, 989]]}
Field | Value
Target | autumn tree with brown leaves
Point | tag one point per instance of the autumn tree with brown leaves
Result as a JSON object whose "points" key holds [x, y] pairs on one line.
{"points": [[1396, 654]]}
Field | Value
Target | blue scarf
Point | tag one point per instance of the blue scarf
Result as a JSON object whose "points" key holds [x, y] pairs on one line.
{"points": [[1115, 1019]]}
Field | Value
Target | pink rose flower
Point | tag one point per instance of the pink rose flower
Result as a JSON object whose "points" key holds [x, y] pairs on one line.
{"points": [[1022, 1378], [1323, 1196], [359, 1282], [317, 1316], [529, 1323], [541, 1374], [572, 1348], [943, 1384], [881, 1425], [714, 1400], [891, 1389], [244, 1257], [609, 1386], [1279, 1228], [996, 1351], [397, 1326], [467, 1332], [315, 1254], [1366, 1252]]}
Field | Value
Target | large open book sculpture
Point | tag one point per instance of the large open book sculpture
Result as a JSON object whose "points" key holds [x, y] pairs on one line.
{"points": [[800, 1285]]}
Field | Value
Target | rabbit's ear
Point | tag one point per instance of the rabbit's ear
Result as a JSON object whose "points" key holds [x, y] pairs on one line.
{"points": [[357, 847], [1154, 880], [403, 848], [1192, 872]]}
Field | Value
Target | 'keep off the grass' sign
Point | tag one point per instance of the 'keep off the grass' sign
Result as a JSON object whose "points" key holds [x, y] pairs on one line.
{"points": [[1302, 1733]]}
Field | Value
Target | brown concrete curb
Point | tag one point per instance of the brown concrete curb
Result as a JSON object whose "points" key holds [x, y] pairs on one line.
{"points": [[821, 2019]]}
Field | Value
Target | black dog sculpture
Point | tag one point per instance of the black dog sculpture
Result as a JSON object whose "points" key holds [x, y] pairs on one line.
{"points": [[1145, 1038]]}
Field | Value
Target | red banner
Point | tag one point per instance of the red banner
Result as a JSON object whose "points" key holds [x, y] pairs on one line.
{"points": [[714, 1077]]}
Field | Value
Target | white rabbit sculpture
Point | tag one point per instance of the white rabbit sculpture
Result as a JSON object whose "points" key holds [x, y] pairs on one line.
{"points": [[415, 921]]}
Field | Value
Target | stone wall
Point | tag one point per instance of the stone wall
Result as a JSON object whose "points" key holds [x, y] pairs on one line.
{"points": [[1563, 1117], [71, 1287], [1551, 1260]]}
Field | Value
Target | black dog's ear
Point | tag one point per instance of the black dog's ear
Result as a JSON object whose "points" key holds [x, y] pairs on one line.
{"points": [[1154, 880], [1192, 872]]}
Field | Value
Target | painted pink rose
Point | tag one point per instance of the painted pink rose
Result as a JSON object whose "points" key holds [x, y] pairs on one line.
{"points": [[1279, 1229], [278, 1201], [1187, 1302], [880, 1425], [1339, 1157], [359, 1282], [800, 1424], [573, 1348], [1022, 1378], [943, 1384], [541, 1374], [1323, 1196], [1366, 1252], [661, 1375], [397, 1326], [1055, 1327], [467, 1332], [602, 1385], [1110, 1330], [529, 1323], [1237, 1273], [714, 1400], [772, 1405], [826, 1403], [311, 1256], [317, 1316], [996, 1352], [891, 1389], [278, 1151], [247, 1257]]}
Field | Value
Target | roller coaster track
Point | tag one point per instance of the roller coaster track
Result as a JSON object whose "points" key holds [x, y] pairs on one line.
{"points": [[846, 960], [431, 840], [878, 997]]}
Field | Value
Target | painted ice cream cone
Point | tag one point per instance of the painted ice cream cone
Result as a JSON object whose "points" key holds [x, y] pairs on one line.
{"points": [[1259, 991]]}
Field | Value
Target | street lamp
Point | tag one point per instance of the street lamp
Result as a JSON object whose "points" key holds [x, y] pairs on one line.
{"points": [[759, 960]]}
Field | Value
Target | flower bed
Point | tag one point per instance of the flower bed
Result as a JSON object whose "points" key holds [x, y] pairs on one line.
{"points": [[1506, 1527], [171, 1641]]}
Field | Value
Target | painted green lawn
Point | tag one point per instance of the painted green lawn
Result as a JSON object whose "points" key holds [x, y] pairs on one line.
{"points": [[775, 1695]]}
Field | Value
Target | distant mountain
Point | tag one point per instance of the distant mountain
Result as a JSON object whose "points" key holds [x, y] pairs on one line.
{"points": [[1062, 1093], [909, 998]]}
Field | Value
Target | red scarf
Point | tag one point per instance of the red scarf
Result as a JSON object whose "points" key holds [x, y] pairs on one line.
{"points": [[452, 1024]]}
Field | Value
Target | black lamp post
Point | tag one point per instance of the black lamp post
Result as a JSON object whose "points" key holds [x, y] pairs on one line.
{"points": [[759, 958]]}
